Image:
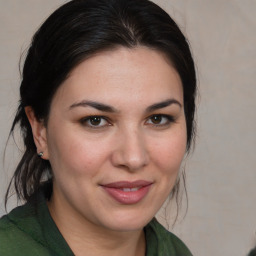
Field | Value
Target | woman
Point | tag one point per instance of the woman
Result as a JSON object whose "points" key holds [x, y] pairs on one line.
{"points": [[107, 114]]}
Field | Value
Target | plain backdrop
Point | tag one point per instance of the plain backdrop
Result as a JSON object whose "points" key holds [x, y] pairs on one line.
{"points": [[221, 173]]}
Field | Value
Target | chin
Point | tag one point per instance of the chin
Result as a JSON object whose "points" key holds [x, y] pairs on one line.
{"points": [[129, 222]]}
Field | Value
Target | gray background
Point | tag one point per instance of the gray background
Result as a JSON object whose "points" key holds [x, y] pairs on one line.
{"points": [[221, 175]]}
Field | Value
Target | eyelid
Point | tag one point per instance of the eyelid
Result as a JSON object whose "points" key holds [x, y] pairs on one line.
{"points": [[170, 119], [84, 121]]}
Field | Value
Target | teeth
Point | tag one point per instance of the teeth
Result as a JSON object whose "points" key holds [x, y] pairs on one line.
{"points": [[130, 189]]}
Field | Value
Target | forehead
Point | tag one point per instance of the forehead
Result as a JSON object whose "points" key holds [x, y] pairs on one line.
{"points": [[140, 74]]}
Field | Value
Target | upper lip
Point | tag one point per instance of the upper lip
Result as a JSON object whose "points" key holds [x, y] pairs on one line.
{"points": [[128, 184]]}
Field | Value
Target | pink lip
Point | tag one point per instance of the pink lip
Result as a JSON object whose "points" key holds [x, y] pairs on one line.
{"points": [[139, 190]]}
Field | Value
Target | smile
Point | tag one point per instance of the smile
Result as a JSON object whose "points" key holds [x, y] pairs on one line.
{"points": [[128, 193]]}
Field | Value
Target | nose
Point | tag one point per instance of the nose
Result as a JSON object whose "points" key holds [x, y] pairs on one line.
{"points": [[131, 151]]}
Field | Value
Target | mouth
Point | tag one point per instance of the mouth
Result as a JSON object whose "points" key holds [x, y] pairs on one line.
{"points": [[125, 192]]}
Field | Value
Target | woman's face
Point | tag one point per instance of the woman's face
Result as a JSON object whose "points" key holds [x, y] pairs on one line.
{"points": [[115, 138]]}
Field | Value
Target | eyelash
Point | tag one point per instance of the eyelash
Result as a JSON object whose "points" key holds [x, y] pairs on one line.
{"points": [[169, 119], [87, 121]]}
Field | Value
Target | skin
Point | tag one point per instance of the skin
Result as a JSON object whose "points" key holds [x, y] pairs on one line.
{"points": [[126, 145]]}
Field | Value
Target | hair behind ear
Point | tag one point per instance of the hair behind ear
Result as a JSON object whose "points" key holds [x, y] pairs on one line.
{"points": [[28, 174], [39, 132]]}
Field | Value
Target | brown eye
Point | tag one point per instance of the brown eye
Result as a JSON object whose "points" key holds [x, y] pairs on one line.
{"points": [[160, 120], [95, 120], [157, 119]]}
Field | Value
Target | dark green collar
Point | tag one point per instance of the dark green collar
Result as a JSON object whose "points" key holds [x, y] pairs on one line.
{"points": [[35, 220]]}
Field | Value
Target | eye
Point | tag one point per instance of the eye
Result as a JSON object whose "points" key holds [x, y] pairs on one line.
{"points": [[160, 120], [95, 121]]}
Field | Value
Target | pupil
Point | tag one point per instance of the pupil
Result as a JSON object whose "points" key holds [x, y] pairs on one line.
{"points": [[156, 119], [95, 120]]}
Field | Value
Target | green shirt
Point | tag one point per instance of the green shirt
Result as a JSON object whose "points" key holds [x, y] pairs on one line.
{"points": [[29, 230]]}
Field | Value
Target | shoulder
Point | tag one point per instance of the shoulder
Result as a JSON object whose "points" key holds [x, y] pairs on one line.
{"points": [[15, 238], [9, 224], [163, 242], [10, 235]]}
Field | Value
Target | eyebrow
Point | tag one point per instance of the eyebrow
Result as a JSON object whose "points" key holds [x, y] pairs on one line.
{"points": [[96, 105], [163, 104], [110, 109]]}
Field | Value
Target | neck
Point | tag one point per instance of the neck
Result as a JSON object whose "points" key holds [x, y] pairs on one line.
{"points": [[86, 238]]}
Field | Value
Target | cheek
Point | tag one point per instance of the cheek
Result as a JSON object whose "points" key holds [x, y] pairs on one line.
{"points": [[168, 153], [75, 155]]}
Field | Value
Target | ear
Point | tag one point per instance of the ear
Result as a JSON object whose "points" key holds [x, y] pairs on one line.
{"points": [[39, 132]]}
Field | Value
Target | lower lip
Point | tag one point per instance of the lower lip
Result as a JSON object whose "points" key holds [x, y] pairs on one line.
{"points": [[130, 197]]}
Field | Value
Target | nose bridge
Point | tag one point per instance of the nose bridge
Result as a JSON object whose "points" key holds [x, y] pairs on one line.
{"points": [[131, 151]]}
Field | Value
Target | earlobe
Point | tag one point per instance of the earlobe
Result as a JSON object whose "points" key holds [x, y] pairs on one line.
{"points": [[39, 132]]}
